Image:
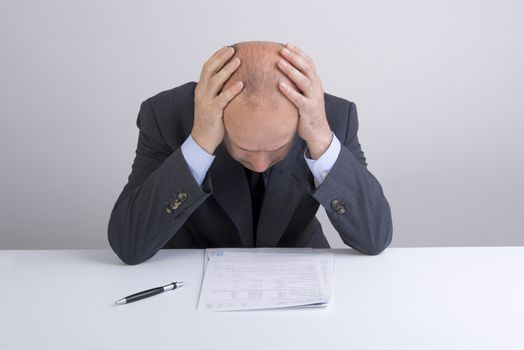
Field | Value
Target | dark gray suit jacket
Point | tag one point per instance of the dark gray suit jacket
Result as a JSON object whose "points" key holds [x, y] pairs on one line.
{"points": [[162, 206]]}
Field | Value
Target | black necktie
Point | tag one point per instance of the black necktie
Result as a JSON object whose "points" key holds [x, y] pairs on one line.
{"points": [[257, 189]]}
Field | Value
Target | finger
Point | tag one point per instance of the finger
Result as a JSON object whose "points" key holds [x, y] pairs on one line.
{"points": [[217, 81], [216, 54], [299, 52], [294, 96], [215, 62], [299, 62], [228, 94], [302, 82]]}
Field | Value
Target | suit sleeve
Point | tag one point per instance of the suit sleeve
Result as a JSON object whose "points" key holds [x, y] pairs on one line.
{"points": [[160, 195], [353, 198]]}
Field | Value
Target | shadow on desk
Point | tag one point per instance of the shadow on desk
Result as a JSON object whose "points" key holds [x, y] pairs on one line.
{"points": [[100, 256], [108, 257]]}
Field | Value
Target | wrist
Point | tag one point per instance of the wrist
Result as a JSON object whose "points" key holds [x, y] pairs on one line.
{"points": [[203, 142], [318, 145]]}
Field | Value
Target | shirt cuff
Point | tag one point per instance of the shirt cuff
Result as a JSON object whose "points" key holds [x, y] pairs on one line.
{"points": [[197, 159], [321, 167]]}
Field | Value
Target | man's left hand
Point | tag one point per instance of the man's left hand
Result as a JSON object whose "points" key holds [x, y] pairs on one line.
{"points": [[313, 126]]}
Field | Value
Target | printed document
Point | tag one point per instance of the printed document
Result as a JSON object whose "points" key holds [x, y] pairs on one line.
{"points": [[265, 278]]}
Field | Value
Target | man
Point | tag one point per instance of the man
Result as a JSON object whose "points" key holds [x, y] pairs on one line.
{"points": [[244, 158]]}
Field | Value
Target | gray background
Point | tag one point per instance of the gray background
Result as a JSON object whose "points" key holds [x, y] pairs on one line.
{"points": [[438, 85]]}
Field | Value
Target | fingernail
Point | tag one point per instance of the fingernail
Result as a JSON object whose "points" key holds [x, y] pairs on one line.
{"points": [[285, 51], [290, 46]]}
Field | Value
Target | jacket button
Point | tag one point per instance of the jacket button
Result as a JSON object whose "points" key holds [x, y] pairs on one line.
{"points": [[175, 204], [338, 207]]}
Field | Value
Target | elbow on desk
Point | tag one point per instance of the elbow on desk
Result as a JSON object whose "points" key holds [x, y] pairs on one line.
{"points": [[378, 236], [369, 250], [125, 252], [375, 244], [131, 260], [122, 244], [382, 242], [375, 250]]}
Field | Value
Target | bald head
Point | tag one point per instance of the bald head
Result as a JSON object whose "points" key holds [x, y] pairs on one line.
{"points": [[260, 118], [260, 74]]}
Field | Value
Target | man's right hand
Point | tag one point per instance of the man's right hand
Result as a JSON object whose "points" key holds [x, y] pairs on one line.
{"points": [[208, 125]]}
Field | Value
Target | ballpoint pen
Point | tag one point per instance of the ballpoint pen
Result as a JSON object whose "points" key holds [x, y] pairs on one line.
{"points": [[149, 293]]}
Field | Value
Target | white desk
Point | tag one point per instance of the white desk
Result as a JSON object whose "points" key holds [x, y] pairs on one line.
{"points": [[404, 298]]}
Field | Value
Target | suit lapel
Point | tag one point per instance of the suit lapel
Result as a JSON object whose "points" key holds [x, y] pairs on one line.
{"points": [[231, 191], [283, 192]]}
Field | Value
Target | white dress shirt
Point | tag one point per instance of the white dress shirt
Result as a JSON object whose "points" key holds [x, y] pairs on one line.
{"points": [[199, 161]]}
